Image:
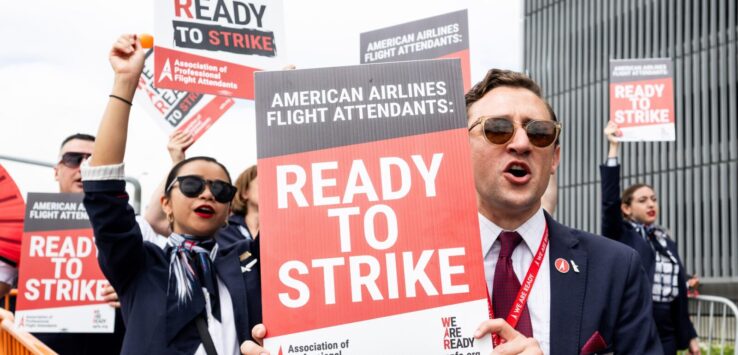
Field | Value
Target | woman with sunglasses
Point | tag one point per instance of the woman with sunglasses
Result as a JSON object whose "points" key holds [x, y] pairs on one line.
{"points": [[631, 219], [189, 298]]}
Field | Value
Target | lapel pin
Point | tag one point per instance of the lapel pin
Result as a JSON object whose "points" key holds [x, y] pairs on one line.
{"points": [[562, 265], [248, 266], [244, 256], [574, 266]]}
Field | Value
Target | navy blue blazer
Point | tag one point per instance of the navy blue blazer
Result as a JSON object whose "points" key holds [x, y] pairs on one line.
{"points": [[139, 272], [608, 297], [614, 226]]}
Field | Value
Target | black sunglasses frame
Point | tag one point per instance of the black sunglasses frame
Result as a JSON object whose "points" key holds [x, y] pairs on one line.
{"points": [[482, 120], [222, 194], [73, 160]]}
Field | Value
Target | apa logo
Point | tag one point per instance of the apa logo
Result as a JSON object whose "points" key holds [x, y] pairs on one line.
{"points": [[562, 265], [166, 72]]}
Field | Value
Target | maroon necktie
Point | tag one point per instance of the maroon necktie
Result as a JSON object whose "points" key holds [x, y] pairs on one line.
{"points": [[505, 285]]}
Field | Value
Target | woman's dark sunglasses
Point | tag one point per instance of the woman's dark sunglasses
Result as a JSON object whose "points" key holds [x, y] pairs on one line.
{"points": [[499, 130], [192, 186], [73, 160]]}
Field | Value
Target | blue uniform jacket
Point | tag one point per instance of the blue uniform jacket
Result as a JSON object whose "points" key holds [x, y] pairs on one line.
{"points": [[139, 273]]}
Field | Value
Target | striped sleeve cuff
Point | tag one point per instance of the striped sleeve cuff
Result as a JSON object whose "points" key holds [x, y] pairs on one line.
{"points": [[102, 172]]}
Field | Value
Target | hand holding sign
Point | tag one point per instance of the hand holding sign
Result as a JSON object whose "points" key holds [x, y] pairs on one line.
{"points": [[612, 132], [254, 348], [111, 297], [513, 342]]}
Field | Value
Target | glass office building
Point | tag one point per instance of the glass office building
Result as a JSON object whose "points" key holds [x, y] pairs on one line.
{"points": [[568, 45]]}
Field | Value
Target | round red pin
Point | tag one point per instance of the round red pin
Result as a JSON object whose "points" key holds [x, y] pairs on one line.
{"points": [[562, 265]]}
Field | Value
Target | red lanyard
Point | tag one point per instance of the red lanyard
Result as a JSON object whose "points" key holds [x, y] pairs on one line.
{"points": [[516, 310]]}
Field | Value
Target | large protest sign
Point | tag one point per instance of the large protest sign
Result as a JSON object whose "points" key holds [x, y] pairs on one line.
{"points": [[178, 110], [368, 201], [442, 36], [642, 99], [60, 285], [214, 47]]}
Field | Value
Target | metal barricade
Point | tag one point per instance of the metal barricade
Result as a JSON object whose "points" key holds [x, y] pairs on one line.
{"points": [[11, 295], [716, 320], [18, 342]]}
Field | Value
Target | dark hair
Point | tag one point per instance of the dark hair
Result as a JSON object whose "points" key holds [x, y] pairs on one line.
{"points": [[627, 197], [80, 136], [498, 78], [242, 184], [177, 167]]}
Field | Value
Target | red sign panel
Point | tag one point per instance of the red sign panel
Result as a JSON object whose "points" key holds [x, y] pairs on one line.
{"points": [[60, 285]]}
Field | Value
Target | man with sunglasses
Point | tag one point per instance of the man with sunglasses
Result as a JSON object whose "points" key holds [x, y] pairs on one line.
{"points": [[571, 301], [74, 149]]}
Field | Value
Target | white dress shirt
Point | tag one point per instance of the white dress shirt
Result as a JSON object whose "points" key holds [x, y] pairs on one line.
{"points": [[224, 336], [539, 301]]}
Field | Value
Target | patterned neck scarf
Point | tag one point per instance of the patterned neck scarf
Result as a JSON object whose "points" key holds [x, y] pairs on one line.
{"points": [[665, 286], [191, 270]]}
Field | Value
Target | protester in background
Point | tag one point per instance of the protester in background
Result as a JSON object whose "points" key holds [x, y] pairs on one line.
{"points": [[631, 219], [73, 151], [203, 307]]}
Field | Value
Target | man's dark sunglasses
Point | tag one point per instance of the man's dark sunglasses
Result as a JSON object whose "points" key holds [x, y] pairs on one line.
{"points": [[72, 160], [499, 130], [193, 185]]}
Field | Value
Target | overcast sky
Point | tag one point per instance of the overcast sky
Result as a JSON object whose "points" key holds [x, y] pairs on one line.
{"points": [[55, 76]]}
